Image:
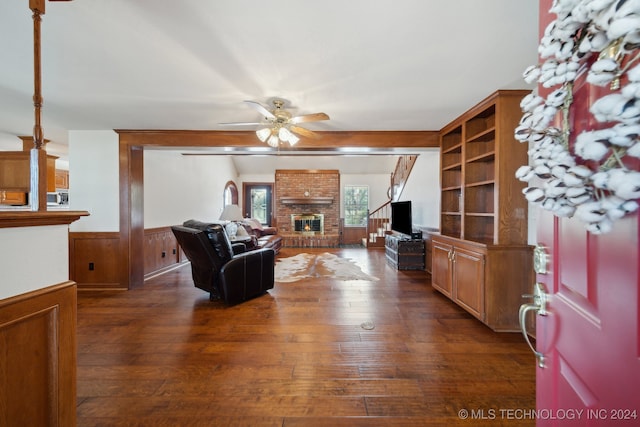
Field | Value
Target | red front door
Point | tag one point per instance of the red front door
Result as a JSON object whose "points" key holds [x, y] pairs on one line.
{"points": [[590, 335]]}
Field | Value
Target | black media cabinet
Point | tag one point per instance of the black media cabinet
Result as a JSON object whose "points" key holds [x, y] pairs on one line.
{"points": [[404, 253]]}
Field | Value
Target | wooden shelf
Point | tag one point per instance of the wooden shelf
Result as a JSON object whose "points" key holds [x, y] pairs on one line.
{"points": [[484, 157], [479, 183], [453, 167], [306, 200], [453, 149], [481, 136], [481, 143]]}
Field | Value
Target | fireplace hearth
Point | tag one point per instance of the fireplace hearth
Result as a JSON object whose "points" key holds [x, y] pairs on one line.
{"points": [[307, 223]]}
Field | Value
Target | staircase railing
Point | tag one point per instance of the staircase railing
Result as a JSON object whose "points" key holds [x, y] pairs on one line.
{"points": [[401, 174], [379, 220], [378, 224]]}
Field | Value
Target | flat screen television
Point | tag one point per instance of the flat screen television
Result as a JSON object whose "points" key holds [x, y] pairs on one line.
{"points": [[401, 217]]}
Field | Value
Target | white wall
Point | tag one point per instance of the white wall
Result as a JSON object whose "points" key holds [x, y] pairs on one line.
{"points": [[262, 178], [22, 248], [94, 180], [423, 189], [181, 187], [178, 188], [378, 185]]}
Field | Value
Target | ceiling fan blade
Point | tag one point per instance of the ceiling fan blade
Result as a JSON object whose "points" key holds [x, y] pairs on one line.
{"points": [[261, 109], [241, 124], [304, 132], [309, 118]]}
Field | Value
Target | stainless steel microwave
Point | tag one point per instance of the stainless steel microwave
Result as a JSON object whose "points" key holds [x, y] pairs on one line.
{"points": [[57, 198]]}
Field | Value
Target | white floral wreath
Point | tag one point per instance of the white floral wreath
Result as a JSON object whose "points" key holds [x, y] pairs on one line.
{"points": [[596, 195]]}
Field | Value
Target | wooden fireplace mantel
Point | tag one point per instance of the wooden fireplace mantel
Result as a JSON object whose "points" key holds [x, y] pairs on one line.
{"points": [[306, 200]]}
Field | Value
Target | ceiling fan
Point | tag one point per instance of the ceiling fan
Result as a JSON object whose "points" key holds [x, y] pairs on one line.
{"points": [[278, 125]]}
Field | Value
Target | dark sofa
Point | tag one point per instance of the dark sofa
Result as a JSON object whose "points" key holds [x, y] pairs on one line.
{"points": [[215, 267], [263, 237]]}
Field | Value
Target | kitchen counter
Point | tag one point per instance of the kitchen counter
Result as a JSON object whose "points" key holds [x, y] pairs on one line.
{"points": [[27, 208], [26, 218]]}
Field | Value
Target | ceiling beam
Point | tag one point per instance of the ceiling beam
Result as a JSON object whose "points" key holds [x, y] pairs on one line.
{"points": [[329, 140]]}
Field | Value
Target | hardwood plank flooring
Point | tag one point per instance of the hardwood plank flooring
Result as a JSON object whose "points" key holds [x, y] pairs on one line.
{"points": [[164, 355]]}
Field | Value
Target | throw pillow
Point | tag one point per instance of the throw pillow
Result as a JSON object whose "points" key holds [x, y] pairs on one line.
{"points": [[254, 223]]}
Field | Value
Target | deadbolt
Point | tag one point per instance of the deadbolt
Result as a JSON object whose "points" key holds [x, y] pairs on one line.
{"points": [[540, 260]]}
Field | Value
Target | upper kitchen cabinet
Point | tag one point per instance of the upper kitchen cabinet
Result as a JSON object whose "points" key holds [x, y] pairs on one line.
{"points": [[62, 179], [15, 175]]}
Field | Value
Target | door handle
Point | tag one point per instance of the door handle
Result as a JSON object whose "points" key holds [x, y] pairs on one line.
{"points": [[539, 304]]}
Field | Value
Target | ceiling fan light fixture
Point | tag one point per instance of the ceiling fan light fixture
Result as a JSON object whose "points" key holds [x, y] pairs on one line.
{"points": [[263, 134], [284, 134], [273, 141], [293, 140], [279, 125]]}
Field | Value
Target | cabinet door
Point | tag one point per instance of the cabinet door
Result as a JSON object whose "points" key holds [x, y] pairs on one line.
{"points": [[62, 179], [441, 267], [11, 198], [51, 174], [468, 278]]}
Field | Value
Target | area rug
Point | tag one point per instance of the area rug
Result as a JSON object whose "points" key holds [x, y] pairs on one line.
{"points": [[324, 265]]}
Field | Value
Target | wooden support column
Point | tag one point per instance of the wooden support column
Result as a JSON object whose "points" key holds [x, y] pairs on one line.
{"points": [[38, 194]]}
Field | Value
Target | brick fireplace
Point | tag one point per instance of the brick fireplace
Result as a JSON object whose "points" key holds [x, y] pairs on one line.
{"points": [[303, 194]]}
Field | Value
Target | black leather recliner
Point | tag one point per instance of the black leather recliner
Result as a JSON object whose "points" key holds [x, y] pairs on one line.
{"points": [[216, 269]]}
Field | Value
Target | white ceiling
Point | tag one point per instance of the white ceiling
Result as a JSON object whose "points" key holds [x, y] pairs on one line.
{"points": [[189, 64]]}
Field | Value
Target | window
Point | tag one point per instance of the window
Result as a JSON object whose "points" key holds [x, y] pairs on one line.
{"points": [[230, 195], [356, 205]]}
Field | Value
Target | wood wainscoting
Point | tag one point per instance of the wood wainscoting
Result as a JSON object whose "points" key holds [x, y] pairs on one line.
{"points": [[93, 260], [161, 251], [93, 257], [38, 373], [353, 235]]}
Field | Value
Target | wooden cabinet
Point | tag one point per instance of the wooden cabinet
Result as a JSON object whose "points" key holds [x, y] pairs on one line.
{"points": [[403, 253], [488, 281], [481, 259], [61, 179], [441, 268], [481, 199], [468, 280], [13, 198], [15, 173]]}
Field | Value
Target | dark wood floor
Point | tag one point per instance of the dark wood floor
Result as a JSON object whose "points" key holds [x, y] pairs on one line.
{"points": [[164, 355]]}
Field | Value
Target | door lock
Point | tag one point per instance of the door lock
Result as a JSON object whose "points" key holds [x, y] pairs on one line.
{"points": [[540, 260]]}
